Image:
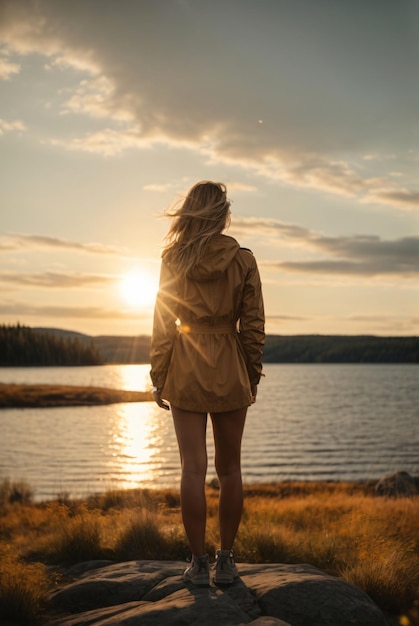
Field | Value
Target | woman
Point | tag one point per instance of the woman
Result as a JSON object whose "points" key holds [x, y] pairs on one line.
{"points": [[206, 352]]}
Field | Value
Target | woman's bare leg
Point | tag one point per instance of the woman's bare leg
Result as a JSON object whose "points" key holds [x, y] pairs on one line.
{"points": [[228, 431], [190, 430]]}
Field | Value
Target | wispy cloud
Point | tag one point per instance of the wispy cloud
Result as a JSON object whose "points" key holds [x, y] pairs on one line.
{"points": [[8, 69], [286, 318], [260, 227], [55, 279], [161, 187], [108, 142], [387, 324], [351, 268], [237, 186], [20, 309], [404, 198], [232, 186], [9, 127], [96, 97], [20, 241], [363, 255], [339, 178]]}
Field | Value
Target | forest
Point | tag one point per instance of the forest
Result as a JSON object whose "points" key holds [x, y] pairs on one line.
{"points": [[340, 349], [21, 345]]}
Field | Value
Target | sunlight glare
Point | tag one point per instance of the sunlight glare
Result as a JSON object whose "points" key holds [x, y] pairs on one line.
{"points": [[138, 289], [143, 447]]}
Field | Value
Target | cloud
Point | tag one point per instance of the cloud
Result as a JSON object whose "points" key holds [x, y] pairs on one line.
{"points": [[339, 178], [20, 310], [286, 318], [7, 68], [9, 127], [404, 198], [339, 268], [361, 255], [26, 27], [260, 227], [55, 279], [232, 186], [107, 142], [334, 177], [240, 187], [6, 245], [19, 241], [210, 93], [94, 97], [160, 187], [389, 324]]}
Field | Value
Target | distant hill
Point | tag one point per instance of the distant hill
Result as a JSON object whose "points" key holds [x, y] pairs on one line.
{"points": [[278, 348], [112, 348], [123, 349]]}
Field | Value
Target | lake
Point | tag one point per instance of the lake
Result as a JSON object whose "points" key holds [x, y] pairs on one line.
{"points": [[326, 422]]}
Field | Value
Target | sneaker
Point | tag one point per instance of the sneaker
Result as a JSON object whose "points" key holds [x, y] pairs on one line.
{"points": [[198, 571], [225, 568]]}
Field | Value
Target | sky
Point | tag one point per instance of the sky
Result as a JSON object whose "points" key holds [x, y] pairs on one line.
{"points": [[308, 111]]}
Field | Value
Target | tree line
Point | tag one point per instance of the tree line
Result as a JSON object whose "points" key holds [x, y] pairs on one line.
{"points": [[340, 349], [21, 345]]}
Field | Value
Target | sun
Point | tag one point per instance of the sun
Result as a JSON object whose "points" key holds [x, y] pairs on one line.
{"points": [[138, 288]]}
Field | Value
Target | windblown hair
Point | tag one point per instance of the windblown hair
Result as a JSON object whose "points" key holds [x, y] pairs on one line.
{"points": [[204, 212]]}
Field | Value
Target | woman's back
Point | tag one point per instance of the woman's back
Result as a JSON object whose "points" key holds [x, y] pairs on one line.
{"points": [[211, 293]]}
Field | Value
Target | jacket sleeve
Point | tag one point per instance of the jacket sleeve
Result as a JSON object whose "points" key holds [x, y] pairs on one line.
{"points": [[252, 323], [164, 327]]}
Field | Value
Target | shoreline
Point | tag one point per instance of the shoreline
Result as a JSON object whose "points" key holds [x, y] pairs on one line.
{"points": [[45, 396]]}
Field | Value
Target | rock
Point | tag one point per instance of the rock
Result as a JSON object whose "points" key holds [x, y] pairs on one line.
{"points": [[397, 485], [152, 593], [305, 596]]}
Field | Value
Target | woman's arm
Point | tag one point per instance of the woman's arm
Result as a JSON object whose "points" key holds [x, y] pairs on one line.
{"points": [[252, 325], [164, 327]]}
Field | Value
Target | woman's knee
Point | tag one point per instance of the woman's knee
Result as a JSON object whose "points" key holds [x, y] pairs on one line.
{"points": [[224, 470], [196, 466]]}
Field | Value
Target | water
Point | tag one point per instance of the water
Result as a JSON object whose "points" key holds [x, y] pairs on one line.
{"points": [[332, 422]]}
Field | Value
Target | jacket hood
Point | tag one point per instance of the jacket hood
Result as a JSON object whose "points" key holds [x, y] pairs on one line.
{"points": [[219, 253]]}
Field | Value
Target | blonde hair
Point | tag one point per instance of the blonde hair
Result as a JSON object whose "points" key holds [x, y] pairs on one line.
{"points": [[203, 213]]}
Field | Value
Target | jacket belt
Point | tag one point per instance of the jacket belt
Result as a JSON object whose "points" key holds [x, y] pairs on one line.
{"points": [[207, 329]]}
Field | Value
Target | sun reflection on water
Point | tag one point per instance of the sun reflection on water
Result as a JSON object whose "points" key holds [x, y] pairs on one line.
{"points": [[135, 377], [142, 446]]}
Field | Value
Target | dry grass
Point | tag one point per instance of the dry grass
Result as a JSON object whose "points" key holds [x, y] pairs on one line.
{"points": [[23, 587], [341, 528], [12, 396], [371, 542]]}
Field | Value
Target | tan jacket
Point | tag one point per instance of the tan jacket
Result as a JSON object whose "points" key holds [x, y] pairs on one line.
{"points": [[208, 331]]}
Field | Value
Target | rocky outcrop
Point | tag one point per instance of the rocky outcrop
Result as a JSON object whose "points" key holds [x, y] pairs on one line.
{"points": [[152, 593], [397, 485]]}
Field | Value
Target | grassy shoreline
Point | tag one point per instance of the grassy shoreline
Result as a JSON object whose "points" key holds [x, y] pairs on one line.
{"points": [[342, 528], [44, 396]]}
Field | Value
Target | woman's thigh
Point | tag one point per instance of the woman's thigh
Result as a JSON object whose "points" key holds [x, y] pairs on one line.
{"points": [[228, 432], [191, 430]]}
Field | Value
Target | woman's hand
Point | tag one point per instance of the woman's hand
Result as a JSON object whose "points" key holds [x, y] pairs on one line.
{"points": [[254, 390], [158, 399]]}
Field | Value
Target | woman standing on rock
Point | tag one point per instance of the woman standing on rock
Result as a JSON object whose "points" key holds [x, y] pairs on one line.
{"points": [[206, 352]]}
